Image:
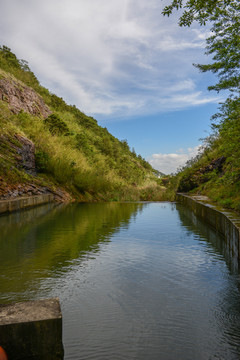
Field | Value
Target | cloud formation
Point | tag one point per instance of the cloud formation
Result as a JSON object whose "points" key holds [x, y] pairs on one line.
{"points": [[169, 163], [118, 58]]}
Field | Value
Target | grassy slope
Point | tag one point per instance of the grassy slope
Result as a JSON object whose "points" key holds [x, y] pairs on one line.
{"points": [[72, 150], [216, 172]]}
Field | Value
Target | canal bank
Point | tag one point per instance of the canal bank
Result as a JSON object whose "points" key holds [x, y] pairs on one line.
{"points": [[226, 223], [7, 206]]}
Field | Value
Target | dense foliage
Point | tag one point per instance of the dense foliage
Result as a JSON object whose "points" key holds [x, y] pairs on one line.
{"points": [[72, 150], [216, 170], [224, 42]]}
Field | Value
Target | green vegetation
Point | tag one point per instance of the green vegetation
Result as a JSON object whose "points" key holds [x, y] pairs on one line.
{"points": [[215, 172], [56, 125], [72, 151]]}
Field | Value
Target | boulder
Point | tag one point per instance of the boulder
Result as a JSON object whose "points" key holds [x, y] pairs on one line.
{"points": [[21, 97]]}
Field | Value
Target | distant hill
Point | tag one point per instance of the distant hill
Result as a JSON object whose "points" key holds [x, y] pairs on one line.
{"points": [[159, 174], [47, 145]]}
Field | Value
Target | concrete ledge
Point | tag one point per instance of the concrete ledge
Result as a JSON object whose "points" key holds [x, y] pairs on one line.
{"points": [[32, 330], [24, 203], [227, 223]]}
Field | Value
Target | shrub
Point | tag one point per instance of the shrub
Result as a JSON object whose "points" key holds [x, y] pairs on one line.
{"points": [[56, 125], [42, 161]]}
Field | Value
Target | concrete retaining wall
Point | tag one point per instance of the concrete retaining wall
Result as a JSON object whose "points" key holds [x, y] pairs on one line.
{"points": [[226, 223], [32, 330], [25, 202]]}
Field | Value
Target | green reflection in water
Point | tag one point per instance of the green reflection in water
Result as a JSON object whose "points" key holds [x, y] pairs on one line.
{"points": [[44, 241]]}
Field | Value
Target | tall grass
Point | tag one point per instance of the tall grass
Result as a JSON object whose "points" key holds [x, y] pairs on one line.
{"points": [[72, 150]]}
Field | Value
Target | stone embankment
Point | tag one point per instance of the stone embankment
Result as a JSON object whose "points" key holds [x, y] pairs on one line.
{"points": [[16, 200], [24, 203]]}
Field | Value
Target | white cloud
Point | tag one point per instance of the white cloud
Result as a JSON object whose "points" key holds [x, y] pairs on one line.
{"points": [[116, 58], [169, 163]]}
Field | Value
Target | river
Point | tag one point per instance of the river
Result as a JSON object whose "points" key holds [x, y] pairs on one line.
{"points": [[138, 281]]}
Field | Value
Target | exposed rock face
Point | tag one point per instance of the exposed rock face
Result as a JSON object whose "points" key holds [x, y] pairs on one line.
{"points": [[21, 97], [15, 191], [27, 154], [20, 155], [216, 164], [193, 179]]}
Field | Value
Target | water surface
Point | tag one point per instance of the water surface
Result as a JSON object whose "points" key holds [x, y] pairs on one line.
{"points": [[135, 280]]}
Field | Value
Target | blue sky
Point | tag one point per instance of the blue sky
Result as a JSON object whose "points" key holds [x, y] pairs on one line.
{"points": [[123, 63]]}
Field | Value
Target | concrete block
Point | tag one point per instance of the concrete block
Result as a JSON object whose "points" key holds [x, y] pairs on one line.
{"points": [[32, 330]]}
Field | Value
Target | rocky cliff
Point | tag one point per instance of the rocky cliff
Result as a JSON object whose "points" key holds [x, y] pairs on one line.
{"points": [[21, 97], [18, 152], [19, 155]]}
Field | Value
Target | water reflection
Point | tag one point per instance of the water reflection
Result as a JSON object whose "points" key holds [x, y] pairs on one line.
{"points": [[135, 281], [226, 311], [44, 241], [217, 243]]}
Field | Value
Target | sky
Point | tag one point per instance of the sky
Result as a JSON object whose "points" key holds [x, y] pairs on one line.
{"points": [[123, 63]]}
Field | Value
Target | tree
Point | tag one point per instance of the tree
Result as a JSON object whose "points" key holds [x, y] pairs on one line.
{"points": [[198, 10], [223, 44], [9, 56], [56, 125]]}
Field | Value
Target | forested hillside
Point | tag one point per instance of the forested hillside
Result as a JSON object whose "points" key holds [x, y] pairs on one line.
{"points": [[47, 145], [215, 172]]}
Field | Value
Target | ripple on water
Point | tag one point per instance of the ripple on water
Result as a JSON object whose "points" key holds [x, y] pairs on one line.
{"points": [[135, 281]]}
